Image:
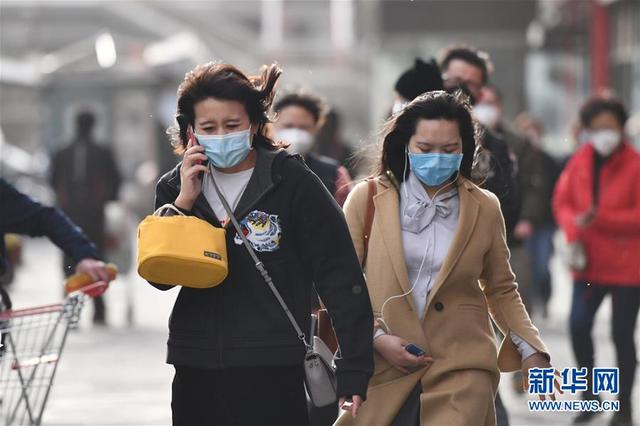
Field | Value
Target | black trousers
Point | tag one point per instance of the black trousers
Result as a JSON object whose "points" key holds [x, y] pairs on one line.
{"points": [[625, 302], [259, 396]]}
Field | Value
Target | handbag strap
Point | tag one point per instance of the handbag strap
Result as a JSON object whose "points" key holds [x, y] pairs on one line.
{"points": [[368, 221], [170, 207], [260, 266]]}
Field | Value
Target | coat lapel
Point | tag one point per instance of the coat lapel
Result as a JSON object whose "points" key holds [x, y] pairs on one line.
{"points": [[387, 205], [469, 208]]}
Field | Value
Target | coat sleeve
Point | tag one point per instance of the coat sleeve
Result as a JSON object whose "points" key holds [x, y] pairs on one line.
{"points": [[563, 204], [354, 211], [323, 238], [505, 305], [23, 215]]}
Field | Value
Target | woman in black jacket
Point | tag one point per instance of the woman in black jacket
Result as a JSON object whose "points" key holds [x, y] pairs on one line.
{"points": [[237, 357]]}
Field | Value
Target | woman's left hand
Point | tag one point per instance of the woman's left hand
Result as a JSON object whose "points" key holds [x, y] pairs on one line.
{"points": [[539, 360]]}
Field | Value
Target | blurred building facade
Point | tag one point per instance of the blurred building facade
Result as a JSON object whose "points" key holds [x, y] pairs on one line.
{"points": [[125, 59], [578, 48]]}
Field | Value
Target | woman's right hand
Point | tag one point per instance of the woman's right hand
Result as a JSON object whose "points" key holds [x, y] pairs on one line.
{"points": [[392, 348], [190, 181]]}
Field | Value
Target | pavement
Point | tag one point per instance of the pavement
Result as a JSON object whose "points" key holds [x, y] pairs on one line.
{"points": [[117, 375]]}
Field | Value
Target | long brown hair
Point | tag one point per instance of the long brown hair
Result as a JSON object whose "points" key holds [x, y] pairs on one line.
{"points": [[225, 81], [430, 106]]}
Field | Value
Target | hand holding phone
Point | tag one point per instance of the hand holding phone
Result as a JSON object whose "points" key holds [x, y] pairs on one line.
{"points": [[402, 355], [415, 350], [192, 140], [191, 172]]}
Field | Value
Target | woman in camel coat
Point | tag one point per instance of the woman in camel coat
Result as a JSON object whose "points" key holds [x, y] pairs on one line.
{"points": [[437, 271]]}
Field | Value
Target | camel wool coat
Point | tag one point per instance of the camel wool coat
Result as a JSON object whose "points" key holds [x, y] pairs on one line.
{"points": [[474, 283]]}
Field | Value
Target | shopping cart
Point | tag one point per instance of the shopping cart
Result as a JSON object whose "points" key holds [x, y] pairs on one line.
{"points": [[33, 340]]}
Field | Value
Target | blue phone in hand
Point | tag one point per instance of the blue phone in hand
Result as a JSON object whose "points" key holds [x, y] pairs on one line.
{"points": [[414, 350]]}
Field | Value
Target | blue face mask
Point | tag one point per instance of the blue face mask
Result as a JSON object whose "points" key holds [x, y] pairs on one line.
{"points": [[228, 150], [434, 169]]}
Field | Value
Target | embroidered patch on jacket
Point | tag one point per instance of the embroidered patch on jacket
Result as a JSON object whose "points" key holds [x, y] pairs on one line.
{"points": [[263, 231]]}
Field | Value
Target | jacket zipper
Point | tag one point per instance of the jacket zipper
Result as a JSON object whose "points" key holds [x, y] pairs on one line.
{"points": [[219, 305]]}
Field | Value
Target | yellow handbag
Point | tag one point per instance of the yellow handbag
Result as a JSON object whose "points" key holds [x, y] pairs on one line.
{"points": [[181, 250]]}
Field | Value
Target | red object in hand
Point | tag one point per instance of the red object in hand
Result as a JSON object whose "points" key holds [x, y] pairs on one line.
{"points": [[96, 289], [83, 281]]}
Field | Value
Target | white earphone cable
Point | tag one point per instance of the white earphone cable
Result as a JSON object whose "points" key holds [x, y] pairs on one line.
{"points": [[424, 256]]}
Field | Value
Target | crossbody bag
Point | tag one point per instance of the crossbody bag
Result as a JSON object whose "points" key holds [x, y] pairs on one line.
{"points": [[319, 367]]}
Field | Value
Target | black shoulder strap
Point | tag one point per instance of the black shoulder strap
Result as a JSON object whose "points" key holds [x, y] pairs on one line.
{"points": [[260, 266]]}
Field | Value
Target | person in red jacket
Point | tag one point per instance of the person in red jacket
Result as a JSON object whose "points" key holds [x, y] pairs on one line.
{"points": [[597, 205]]}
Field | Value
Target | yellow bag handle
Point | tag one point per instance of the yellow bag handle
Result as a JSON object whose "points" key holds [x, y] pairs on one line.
{"points": [[170, 207]]}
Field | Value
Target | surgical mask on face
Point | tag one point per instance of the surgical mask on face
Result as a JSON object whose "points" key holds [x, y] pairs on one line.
{"points": [[605, 141], [228, 150], [487, 114], [300, 141], [398, 106], [434, 169]]}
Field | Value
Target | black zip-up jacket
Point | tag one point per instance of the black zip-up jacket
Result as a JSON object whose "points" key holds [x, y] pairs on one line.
{"points": [[303, 240]]}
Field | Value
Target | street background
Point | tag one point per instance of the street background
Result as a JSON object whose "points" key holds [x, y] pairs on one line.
{"points": [[117, 376]]}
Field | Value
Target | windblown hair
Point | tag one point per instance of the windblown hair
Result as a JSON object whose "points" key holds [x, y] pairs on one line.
{"points": [[226, 82], [400, 127]]}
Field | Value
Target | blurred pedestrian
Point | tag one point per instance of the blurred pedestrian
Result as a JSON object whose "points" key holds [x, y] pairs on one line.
{"points": [[299, 117], [432, 236], [422, 77], [489, 111], [85, 177], [468, 68], [330, 142], [19, 214], [538, 174], [237, 357], [597, 206]]}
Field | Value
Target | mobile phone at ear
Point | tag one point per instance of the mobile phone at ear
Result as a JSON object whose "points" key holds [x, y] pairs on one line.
{"points": [[194, 141], [414, 350], [191, 136]]}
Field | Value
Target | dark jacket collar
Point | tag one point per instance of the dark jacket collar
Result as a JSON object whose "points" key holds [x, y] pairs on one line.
{"points": [[261, 182]]}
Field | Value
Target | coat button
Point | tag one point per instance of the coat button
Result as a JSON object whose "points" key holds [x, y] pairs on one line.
{"points": [[439, 306]]}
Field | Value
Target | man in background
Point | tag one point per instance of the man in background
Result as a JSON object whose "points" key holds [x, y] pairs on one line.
{"points": [[467, 68], [85, 177], [537, 173]]}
